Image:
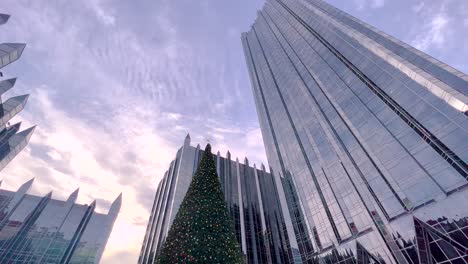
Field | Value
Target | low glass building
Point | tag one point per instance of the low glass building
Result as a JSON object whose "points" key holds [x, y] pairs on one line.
{"points": [[36, 229]]}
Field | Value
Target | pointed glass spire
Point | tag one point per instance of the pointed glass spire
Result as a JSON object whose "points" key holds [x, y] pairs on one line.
{"points": [[25, 187], [24, 135], [15, 126], [187, 140], [8, 132], [93, 205], [20, 98], [73, 196], [6, 85], [11, 107], [16, 143], [10, 52], [4, 18], [115, 207]]}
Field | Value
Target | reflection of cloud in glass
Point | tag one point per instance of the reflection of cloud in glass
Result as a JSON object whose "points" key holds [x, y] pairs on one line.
{"points": [[367, 134]]}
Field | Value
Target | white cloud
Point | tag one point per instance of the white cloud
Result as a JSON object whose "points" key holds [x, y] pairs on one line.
{"points": [[97, 163], [377, 3], [364, 4], [418, 7], [173, 116], [103, 15], [434, 32]]}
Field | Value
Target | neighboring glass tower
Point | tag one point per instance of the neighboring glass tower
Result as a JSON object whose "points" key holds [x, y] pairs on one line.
{"points": [[37, 229], [251, 196], [11, 142], [367, 134]]}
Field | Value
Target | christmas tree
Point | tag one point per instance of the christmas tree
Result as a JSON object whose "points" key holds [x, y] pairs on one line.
{"points": [[202, 231]]}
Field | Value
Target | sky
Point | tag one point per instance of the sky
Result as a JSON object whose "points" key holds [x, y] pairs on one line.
{"points": [[116, 85]]}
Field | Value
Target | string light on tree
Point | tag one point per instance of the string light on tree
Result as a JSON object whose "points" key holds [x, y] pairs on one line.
{"points": [[202, 231]]}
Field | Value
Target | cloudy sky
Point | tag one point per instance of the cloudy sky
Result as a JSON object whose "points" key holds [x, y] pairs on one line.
{"points": [[116, 85]]}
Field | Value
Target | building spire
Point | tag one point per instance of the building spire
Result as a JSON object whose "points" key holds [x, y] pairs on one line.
{"points": [[4, 18], [73, 196], [115, 207], [6, 85], [187, 140], [25, 187]]}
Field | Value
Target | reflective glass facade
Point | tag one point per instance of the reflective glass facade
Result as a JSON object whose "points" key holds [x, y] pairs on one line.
{"points": [[253, 202], [11, 142], [368, 136], [37, 229]]}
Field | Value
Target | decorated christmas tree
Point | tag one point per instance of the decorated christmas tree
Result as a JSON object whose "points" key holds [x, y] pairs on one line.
{"points": [[202, 231]]}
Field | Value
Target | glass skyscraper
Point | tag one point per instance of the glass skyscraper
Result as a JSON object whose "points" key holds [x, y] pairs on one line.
{"points": [[252, 198], [37, 229], [368, 136], [11, 142]]}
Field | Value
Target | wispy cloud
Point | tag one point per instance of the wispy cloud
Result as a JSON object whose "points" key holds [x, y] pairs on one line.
{"points": [[101, 161], [418, 7], [434, 32], [114, 94], [364, 4]]}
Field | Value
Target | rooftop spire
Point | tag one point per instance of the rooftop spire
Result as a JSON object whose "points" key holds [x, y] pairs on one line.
{"points": [[73, 196], [25, 187], [25, 133], [115, 207], [4, 18], [6, 85], [187, 140]]}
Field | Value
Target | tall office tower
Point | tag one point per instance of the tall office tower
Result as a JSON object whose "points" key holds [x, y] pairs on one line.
{"points": [[251, 196], [11, 142], [368, 135], [37, 229]]}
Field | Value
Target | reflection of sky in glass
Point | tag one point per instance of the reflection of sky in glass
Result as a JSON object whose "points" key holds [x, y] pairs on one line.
{"points": [[361, 127]]}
